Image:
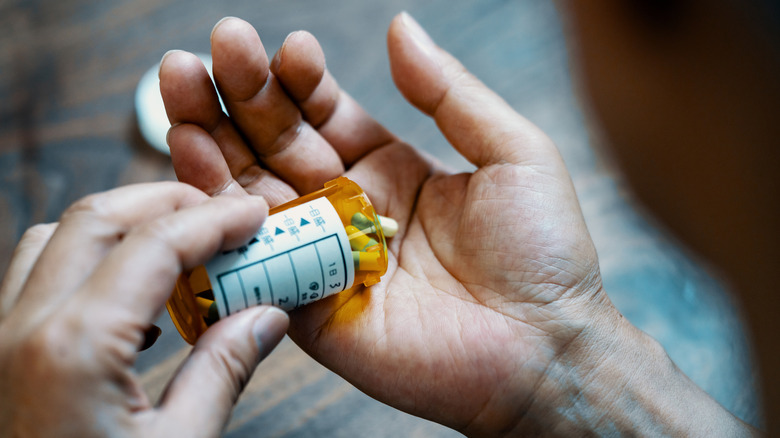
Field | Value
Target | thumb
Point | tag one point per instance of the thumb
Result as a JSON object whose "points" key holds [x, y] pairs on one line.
{"points": [[202, 394], [476, 121]]}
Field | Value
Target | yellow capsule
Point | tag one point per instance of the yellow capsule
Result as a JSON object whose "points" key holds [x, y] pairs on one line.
{"points": [[207, 309], [358, 240], [367, 261]]}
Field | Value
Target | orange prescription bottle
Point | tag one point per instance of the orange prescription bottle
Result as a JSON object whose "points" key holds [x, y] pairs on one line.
{"points": [[307, 249]]}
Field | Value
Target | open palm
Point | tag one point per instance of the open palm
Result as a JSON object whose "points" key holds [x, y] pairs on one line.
{"points": [[492, 274]]}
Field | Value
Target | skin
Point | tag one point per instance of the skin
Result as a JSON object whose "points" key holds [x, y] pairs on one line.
{"points": [[69, 332], [689, 105], [492, 318], [487, 331]]}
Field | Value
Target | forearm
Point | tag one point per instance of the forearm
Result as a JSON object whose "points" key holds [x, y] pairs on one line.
{"points": [[631, 386], [614, 379]]}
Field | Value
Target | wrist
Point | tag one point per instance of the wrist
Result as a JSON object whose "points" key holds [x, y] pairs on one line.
{"points": [[615, 379]]}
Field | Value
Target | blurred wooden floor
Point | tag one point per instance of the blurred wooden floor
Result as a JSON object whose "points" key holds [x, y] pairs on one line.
{"points": [[68, 70]]}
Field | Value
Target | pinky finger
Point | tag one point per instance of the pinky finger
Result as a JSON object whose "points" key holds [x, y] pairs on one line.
{"points": [[25, 255]]}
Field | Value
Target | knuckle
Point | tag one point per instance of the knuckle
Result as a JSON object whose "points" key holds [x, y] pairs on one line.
{"points": [[47, 357], [161, 230], [286, 137], [48, 346], [90, 205], [161, 236], [184, 190]]}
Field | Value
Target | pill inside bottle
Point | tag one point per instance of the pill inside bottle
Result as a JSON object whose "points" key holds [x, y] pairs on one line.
{"points": [[307, 249]]}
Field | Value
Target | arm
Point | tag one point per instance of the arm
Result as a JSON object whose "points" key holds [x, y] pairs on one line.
{"points": [[491, 319], [616, 380]]}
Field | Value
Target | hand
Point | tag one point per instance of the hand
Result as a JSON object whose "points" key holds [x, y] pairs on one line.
{"points": [[487, 267], [491, 318], [79, 294]]}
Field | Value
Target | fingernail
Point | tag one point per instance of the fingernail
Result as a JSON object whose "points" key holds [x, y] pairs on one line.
{"points": [[260, 200], [168, 134], [162, 60], [277, 59], [150, 336], [420, 37], [268, 329], [213, 29]]}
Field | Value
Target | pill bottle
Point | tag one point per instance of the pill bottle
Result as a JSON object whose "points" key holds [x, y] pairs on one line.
{"points": [[307, 249]]}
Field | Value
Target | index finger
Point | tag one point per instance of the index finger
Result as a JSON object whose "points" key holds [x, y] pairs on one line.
{"points": [[88, 230], [137, 277]]}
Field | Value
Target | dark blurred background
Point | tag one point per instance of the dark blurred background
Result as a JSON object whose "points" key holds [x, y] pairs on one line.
{"points": [[68, 72]]}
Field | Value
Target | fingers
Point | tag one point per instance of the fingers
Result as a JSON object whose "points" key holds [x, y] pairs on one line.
{"points": [[189, 94], [265, 115], [202, 394], [199, 161], [299, 65], [26, 254], [138, 275], [275, 109], [477, 122], [207, 150], [88, 231]]}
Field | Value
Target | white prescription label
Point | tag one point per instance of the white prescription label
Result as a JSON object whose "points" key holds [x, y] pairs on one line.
{"points": [[300, 255]]}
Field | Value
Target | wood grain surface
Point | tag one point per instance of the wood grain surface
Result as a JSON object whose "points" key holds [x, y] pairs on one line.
{"points": [[68, 71]]}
